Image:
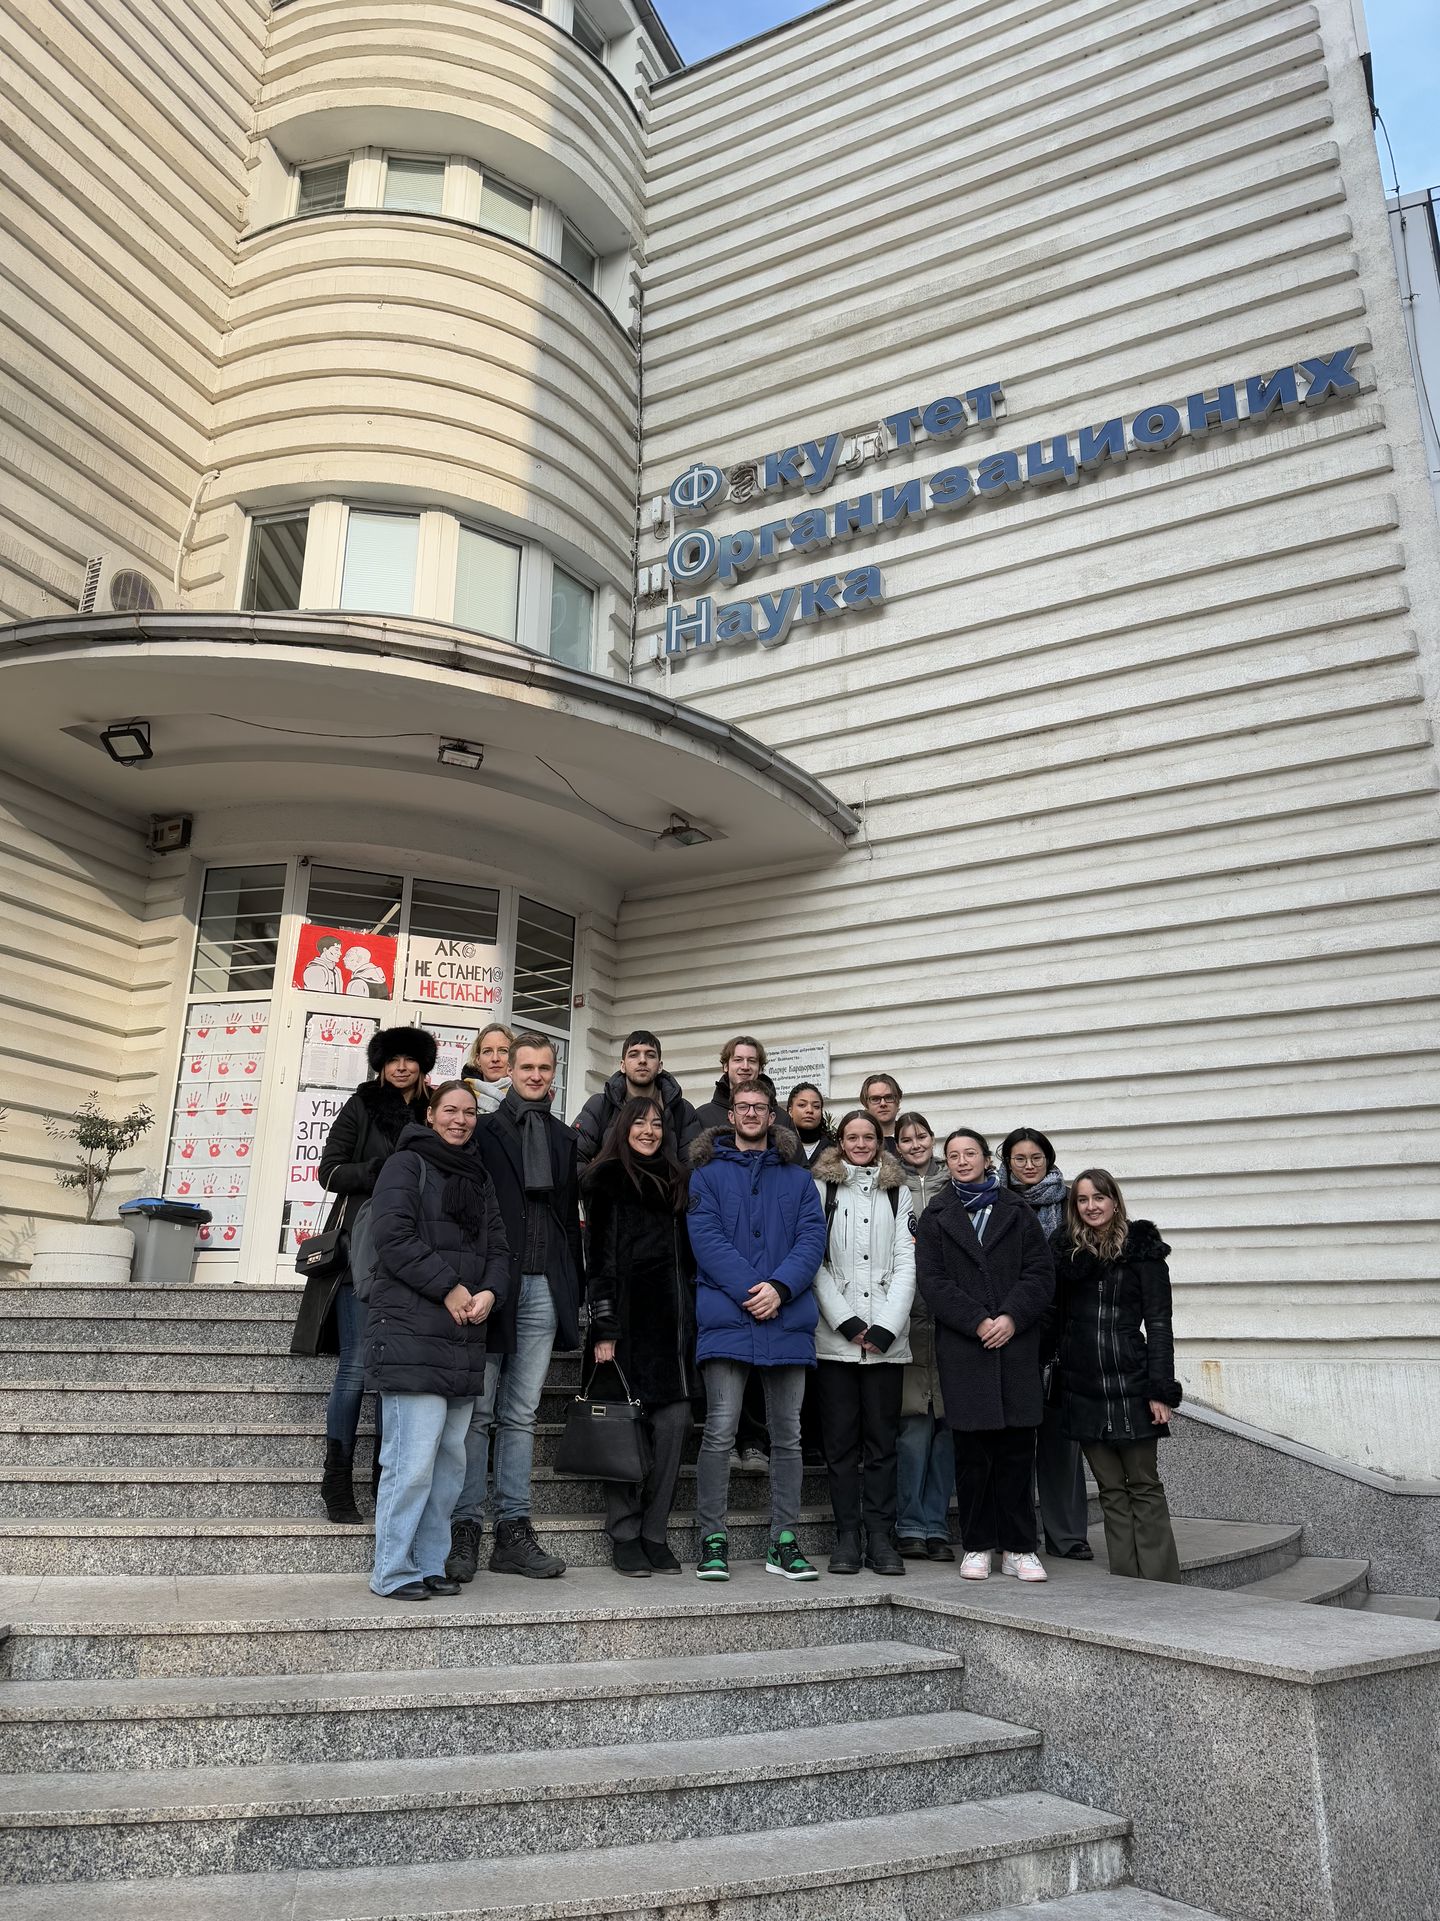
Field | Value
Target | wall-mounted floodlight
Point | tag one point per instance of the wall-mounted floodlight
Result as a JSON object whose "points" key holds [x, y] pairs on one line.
{"points": [[684, 833], [462, 753], [127, 741]]}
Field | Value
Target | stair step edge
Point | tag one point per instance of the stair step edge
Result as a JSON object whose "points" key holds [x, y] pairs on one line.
{"points": [[526, 1776]]}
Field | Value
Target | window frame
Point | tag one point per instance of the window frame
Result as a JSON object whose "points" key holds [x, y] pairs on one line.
{"points": [[298, 172], [259, 521], [579, 13], [442, 161]]}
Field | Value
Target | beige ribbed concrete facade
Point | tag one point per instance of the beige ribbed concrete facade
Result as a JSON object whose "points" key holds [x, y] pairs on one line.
{"points": [[1144, 765]]}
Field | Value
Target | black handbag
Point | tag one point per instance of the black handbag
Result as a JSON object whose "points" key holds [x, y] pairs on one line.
{"points": [[326, 1255], [605, 1440]]}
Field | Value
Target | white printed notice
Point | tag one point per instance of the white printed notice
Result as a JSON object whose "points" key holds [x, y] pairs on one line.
{"points": [[805, 1061], [454, 973], [334, 1050], [315, 1111], [452, 1048]]}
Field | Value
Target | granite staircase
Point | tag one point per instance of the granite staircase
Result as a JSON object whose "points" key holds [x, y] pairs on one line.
{"points": [[205, 1713], [168, 1431]]}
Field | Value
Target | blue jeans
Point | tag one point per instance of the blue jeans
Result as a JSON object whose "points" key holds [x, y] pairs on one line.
{"points": [[342, 1411], [509, 1403], [424, 1463], [925, 1478]]}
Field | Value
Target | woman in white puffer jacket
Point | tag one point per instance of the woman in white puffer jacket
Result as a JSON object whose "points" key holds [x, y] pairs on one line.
{"points": [[864, 1287]]}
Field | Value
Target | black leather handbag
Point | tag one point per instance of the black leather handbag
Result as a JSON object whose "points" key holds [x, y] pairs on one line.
{"points": [[326, 1255], [605, 1440]]}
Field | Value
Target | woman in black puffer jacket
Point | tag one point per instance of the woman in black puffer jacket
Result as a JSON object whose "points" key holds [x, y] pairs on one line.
{"points": [[642, 1316], [331, 1320], [442, 1266], [1116, 1356]]}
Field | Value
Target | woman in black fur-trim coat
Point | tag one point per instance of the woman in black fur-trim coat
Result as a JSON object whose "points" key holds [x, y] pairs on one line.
{"points": [[1116, 1367], [331, 1320], [642, 1315]]}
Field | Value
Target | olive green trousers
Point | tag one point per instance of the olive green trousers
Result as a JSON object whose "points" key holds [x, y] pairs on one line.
{"points": [[1139, 1539]]}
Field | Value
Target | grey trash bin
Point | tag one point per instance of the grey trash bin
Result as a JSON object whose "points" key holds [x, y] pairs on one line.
{"points": [[164, 1239]]}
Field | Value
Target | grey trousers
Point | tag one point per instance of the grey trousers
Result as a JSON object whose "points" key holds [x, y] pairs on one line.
{"points": [[1139, 1539], [634, 1512], [1060, 1479], [724, 1395]]}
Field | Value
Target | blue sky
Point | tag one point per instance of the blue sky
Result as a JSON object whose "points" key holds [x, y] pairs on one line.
{"points": [[1404, 38]]}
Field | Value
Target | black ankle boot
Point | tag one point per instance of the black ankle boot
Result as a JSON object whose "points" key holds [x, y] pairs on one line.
{"points": [[845, 1555], [337, 1490]]}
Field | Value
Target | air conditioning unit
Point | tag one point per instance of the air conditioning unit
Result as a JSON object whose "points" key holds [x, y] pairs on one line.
{"points": [[114, 585]]}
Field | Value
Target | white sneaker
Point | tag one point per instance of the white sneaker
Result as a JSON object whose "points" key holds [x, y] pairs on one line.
{"points": [[1025, 1567], [975, 1567]]}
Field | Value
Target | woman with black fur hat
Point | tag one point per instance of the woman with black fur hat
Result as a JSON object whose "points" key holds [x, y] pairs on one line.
{"points": [[362, 1137]]}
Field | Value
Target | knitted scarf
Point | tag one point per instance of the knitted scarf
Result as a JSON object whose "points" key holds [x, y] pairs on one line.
{"points": [[462, 1199], [532, 1119], [1046, 1197], [976, 1194]]}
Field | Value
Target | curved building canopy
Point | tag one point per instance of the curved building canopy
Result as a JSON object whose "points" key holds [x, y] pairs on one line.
{"points": [[319, 709]]}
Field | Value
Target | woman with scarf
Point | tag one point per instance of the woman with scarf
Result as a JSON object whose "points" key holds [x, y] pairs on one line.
{"points": [[925, 1452], [487, 1066], [1117, 1367], [865, 1287], [1027, 1167], [331, 1320], [442, 1266], [641, 1290], [985, 1271]]}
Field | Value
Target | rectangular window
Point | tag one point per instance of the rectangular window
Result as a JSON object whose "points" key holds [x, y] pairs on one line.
{"points": [[347, 897], [239, 933], [577, 259], [505, 210], [277, 561], [380, 556], [323, 189], [571, 610], [446, 910], [487, 584], [414, 186], [544, 967], [588, 34]]}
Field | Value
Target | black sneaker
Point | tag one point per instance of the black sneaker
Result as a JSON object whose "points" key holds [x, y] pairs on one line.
{"points": [[912, 1546], [714, 1564], [516, 1551], [785, 1558], [464, 1556], [658, 1554]]}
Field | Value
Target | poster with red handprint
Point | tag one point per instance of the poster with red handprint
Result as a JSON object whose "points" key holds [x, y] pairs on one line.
{"points": [[337, 960], [217, 1102]]}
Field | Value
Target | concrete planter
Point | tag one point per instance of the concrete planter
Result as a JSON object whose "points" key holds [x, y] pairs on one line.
{"points": [[77, 1251]]}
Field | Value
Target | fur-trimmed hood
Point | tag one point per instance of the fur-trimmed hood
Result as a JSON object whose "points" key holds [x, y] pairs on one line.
{"points": [[831, 1165], [413, 1042], [785, 1141], [1142, 1243]]}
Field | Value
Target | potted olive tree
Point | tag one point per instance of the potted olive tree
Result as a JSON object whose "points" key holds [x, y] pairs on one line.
{"points": [[83, 1250]]}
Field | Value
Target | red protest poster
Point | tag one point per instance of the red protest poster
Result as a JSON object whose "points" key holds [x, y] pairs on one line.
{"points": [[337, 960]]}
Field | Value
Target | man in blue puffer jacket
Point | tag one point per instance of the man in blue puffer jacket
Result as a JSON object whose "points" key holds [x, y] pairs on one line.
{"points": [[758, 1231]]}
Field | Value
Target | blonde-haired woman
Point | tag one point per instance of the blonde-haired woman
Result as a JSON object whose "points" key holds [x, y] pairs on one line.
{"points": [[486, 1071], [1116, 1355]]}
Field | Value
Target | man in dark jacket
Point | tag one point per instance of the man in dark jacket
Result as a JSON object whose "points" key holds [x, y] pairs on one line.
{"points": [[758, 1232], [742, 1064], [530, 1156], [642, 1076]]}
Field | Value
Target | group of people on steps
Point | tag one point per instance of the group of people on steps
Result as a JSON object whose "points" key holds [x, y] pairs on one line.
{"points": [[928, 1320]]}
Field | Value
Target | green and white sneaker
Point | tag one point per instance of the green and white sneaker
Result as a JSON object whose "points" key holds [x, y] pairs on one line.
{"points": [[714, 1562], [785, 1558]]}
